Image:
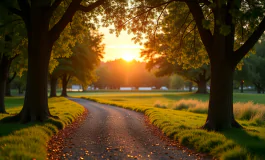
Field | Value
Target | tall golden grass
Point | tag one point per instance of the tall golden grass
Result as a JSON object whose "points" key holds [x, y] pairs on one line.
{"points": [[243, 111]]}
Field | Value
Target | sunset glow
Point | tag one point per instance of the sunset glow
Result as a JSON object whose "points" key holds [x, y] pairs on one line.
{"points": [[120, 47], [128, 57]]}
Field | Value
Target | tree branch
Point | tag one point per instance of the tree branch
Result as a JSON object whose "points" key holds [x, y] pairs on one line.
{"points": [[68, 15], [244, 49], [54, 6], [157, 21], [63, 22], [12, 78], [198, 16], [15, 11], [91, 6]]}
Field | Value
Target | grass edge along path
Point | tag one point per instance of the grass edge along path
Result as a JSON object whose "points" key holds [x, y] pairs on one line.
{"points": [[212, 143], [31, 140]]}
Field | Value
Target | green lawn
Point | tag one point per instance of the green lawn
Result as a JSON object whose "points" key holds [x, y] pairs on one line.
{"points": [[28, 141], [184, 126]]}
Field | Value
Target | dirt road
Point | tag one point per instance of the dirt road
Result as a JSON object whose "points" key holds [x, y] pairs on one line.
{"points": [[111, 132]]}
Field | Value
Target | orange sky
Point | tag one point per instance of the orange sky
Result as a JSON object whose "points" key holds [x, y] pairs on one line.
{"points": [[119, 47]]}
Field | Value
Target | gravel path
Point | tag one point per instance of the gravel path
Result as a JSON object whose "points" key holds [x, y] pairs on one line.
{"points": [[111, 132]]}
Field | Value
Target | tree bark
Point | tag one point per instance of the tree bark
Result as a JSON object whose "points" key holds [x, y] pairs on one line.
{"points": [[202, 87], [9, 80], [241, 86], [35, 106], [8, 89], [258, 90], [53, 83], [64, 85], [190, 86], [83, 88], [4, 69], [220, 111], [20, 90], [2, 95]]}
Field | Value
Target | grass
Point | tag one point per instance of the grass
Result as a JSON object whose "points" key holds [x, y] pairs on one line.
{"points": [[29, 141], [249, 111], [183, 126]]}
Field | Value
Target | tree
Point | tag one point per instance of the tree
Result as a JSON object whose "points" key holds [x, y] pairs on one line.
{"points": [[120, 73], [163, 67], [11, 46], [253, 70], [17, 67], [19, 82], [228, 31], [176, 82], [81, 65], [45, 20]]}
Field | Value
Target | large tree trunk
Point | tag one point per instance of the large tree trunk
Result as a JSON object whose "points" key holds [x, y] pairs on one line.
{"points": [[190, 86], [258, 90], [2, 95], [35, 106], [9, 80], [64, 85], [8, 90], [258, 87], [201, 81], [220, 111], [53, 83], [241, 86], [4, 69], [202, 88], [20, 90], [83, 88]]}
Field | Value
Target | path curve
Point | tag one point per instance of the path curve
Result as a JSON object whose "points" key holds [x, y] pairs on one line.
{"points": [[111, 132]]}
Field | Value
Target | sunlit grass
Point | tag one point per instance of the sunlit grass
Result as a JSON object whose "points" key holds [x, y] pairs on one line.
{"points": [[183, 126], [29, 141]]}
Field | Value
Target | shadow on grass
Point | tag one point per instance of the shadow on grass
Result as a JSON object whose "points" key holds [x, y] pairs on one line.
{"points": [[11, 124], [7, 126], [253, 143], [202, 97]]}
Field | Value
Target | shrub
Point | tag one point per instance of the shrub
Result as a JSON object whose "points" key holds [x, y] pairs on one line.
{"points": [[159, 104]]}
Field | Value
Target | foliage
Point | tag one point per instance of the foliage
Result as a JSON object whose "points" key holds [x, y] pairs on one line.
{"points": [[119, 73], [176, 82], [183, 126], [253, 70], [84, 59], [228, 30], [29, 141], [12, 34]]}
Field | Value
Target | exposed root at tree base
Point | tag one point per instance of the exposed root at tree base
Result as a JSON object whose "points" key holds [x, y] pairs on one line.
{"points": [[211, 127]]}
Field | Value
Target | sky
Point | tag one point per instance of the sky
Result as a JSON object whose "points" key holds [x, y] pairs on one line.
{"points": [[120, 47]]}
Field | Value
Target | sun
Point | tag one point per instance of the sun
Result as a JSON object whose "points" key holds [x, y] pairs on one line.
{"points": [[127, 57]]}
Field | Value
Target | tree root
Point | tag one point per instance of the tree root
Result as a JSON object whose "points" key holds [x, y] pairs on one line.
{"points": [[209, 127]]}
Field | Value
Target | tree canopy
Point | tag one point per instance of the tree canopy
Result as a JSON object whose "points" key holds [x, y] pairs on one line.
{"points": [[228, 30]]}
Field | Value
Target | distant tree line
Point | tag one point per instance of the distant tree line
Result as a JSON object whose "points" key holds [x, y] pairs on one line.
{"points": [[120, 73]]}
